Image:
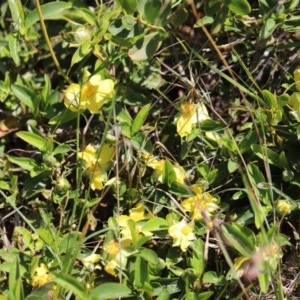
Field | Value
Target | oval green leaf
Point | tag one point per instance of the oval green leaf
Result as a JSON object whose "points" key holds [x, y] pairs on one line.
{"points": [[33, 139], [140, 119], [239, 7], [109, 291]]}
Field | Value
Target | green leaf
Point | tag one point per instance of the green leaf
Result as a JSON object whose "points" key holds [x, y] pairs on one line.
{"points": [[46, 236], [61, 149], [240, 238], [211, 278], [41, 292], [267, 154], [141, 274], [169, 175], [267, 29], [179, 16], [128, 5], [13, 48], [270, 99], [145, 47], [70, 283], [63, 117], [164, 295], [140, 119], [17, 13], [239, 7], [211, 125], [81, 52], [205, 295], [15, 281], [109, 291], [47, 87], [33, 139], [155, 224], [181, 190], [50, 11], [154, 11], [206, 20], [24, 94], [4, 185], [149, 9], [149, 255], [23, 162], [248, 139], [264, 277], [232, 165], [197, 260]]}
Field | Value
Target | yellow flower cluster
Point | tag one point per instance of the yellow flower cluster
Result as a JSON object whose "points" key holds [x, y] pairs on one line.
{"points": [[190, 115], [116, 250], [202, 202], [40, 276], [117, 256], [91, 95], [96, 163], [283, 207]]}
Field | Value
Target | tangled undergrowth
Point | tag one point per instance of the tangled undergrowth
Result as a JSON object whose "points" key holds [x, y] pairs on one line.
{"points": [[149, 149]]}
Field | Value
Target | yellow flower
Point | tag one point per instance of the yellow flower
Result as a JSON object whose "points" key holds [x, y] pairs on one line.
{"points": [[159, 169], [180, 173], [89, 155], [91, 95], [72, 99], [136, 214], [202, 202], [97, 163], [190, 114], [240, 263], [97, 182], [283, 207], [96, 92], [294, 101], [182, 234], [297, 79], [117, 256], [41, 276], [91, 259]]}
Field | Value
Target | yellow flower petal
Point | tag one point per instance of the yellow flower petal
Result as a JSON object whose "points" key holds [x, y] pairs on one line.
{"points": [[91, 259], [190, 114], [180, 173], [202, 202], [283, 207], [297, 79], [97, 182], [137, 213], [41, 276], [184, 125], [89, 155], [96, 92], [182, 234], [106, 88], [72, 97], [107, 153], [110, 267], [294, 101]]}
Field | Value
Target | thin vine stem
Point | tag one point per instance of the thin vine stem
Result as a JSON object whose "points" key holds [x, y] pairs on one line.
{"points": [[46, 36]]}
